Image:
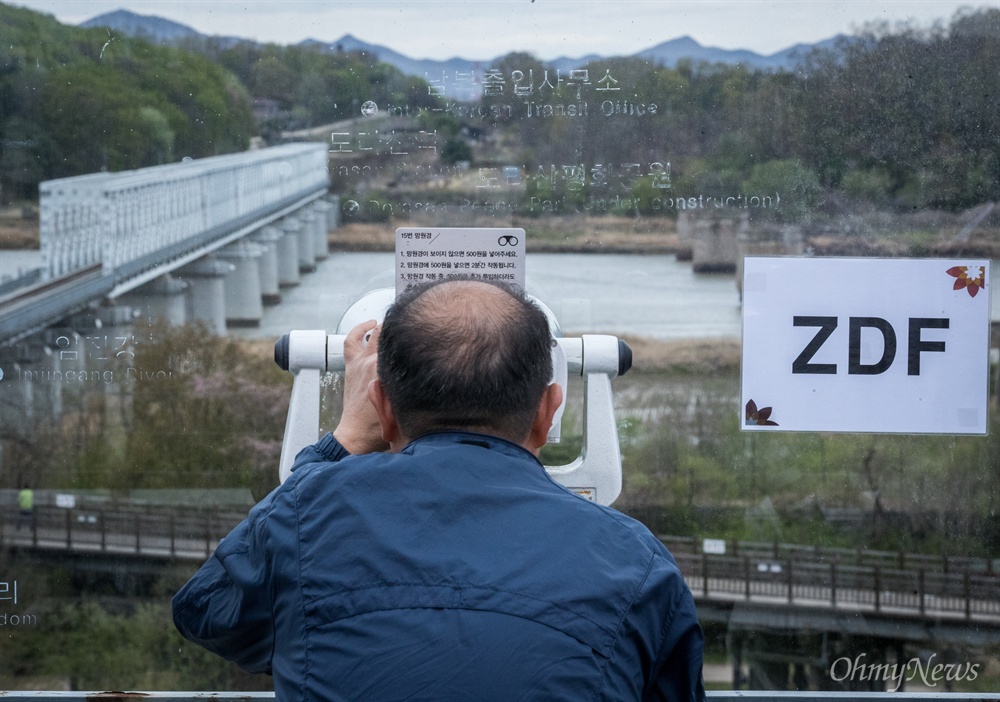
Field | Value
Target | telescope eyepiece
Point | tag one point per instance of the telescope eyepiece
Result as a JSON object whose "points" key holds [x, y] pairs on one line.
{"points": [[281, 352], [624, 357]]}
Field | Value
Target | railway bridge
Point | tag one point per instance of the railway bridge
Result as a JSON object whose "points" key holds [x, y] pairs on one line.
{"points": [[212, 241]]}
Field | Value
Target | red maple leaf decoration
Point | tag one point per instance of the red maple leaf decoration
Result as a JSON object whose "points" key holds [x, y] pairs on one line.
{"points": [[758, 417], [973, 283]]}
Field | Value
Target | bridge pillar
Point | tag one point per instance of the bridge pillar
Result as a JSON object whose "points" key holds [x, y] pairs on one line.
{"points": [[205, 300], [320, 229], [31, 402], [288, 256], [333, 214], [268, 238], [766, 239], [685, 235], [18, 395], [715, 237], [50, 398], [294, 227], [307, 240], [734, 645], [17, 389], [244, 307], [161, 299], [16, 414]]}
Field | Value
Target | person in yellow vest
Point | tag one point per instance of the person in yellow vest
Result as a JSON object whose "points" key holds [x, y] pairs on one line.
{"points": [[26, 503]]}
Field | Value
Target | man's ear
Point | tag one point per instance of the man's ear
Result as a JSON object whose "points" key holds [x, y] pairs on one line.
{"points": [[386, 416], [547, 407]]}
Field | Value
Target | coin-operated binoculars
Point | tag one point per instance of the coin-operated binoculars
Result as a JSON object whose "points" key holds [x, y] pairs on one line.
{"points": [[596, 474]]}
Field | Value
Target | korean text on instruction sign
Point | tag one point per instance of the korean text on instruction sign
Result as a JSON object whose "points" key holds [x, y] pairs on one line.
{"points": [[424, 255]]}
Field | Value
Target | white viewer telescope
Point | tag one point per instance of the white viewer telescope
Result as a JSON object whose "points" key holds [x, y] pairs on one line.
{"points": [[596, 474]]}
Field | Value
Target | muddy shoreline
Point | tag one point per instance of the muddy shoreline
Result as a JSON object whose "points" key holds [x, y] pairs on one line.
{"points": [[624, 236]]}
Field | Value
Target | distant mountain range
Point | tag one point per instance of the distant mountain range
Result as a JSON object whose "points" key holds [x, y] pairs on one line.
{"points": [[156, 30], [163, 31]]}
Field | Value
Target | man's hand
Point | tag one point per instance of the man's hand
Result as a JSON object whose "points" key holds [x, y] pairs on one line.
{"points": [[359, 430]]}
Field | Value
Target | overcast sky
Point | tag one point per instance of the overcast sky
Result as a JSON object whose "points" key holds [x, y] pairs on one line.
{"points": [[483, 29]]}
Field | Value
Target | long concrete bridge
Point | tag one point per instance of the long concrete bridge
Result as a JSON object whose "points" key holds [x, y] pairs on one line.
{"points": [[210, 239]]}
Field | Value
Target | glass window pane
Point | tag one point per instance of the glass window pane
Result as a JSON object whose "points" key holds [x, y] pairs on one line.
{"points": [[181, 185]]}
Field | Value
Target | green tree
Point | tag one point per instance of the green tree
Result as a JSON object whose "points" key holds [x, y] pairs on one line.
{"points": [[75, 101], [913, 103], [456, 149], [797, 185], [155, 132]]}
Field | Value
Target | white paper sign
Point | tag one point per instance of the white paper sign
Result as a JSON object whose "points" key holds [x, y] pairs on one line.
{"points": [[865, 345], [714, 546], [426, 254]]}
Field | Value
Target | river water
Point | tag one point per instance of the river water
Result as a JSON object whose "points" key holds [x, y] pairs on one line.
{"points": [[642, 295]]}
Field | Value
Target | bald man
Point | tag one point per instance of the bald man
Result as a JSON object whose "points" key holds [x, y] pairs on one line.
{"points": [[421, 551]]}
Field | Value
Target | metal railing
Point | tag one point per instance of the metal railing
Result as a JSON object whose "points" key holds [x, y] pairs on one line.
{"points": [[116, 219], [859, 556], [918, 591], [158, 532], [802, 577], [958, 588]]}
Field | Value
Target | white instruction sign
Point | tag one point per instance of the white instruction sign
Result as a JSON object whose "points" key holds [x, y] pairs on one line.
{"points": [[865, 345], [426, 254], [716, 547]]}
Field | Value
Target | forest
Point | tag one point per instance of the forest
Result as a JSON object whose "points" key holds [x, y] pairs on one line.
{"points": [[76, 101], [903, 118]]}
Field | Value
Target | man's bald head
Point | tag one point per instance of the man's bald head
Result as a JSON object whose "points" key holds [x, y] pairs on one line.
{"points": [[464, 354]]}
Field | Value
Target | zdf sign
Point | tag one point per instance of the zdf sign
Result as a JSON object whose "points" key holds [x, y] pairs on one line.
{"points": [[865, 345]]}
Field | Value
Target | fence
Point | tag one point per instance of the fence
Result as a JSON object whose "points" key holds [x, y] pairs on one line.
{"points": [[170, 533], [798, 575], [859, 556]]}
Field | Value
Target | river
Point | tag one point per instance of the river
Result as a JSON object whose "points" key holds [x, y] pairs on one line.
{"points": [[653, 296]]}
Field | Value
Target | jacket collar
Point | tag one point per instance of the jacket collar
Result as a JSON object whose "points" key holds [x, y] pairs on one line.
{"points": [[470, 438]]}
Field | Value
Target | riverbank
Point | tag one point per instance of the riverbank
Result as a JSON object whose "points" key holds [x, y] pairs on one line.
{"points": [[693, 357], [923, 234], [583, 234], [688, 357], [658, 235]]}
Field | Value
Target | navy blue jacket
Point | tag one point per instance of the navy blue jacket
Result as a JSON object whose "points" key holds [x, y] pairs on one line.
{"points": [[455, 569]]}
